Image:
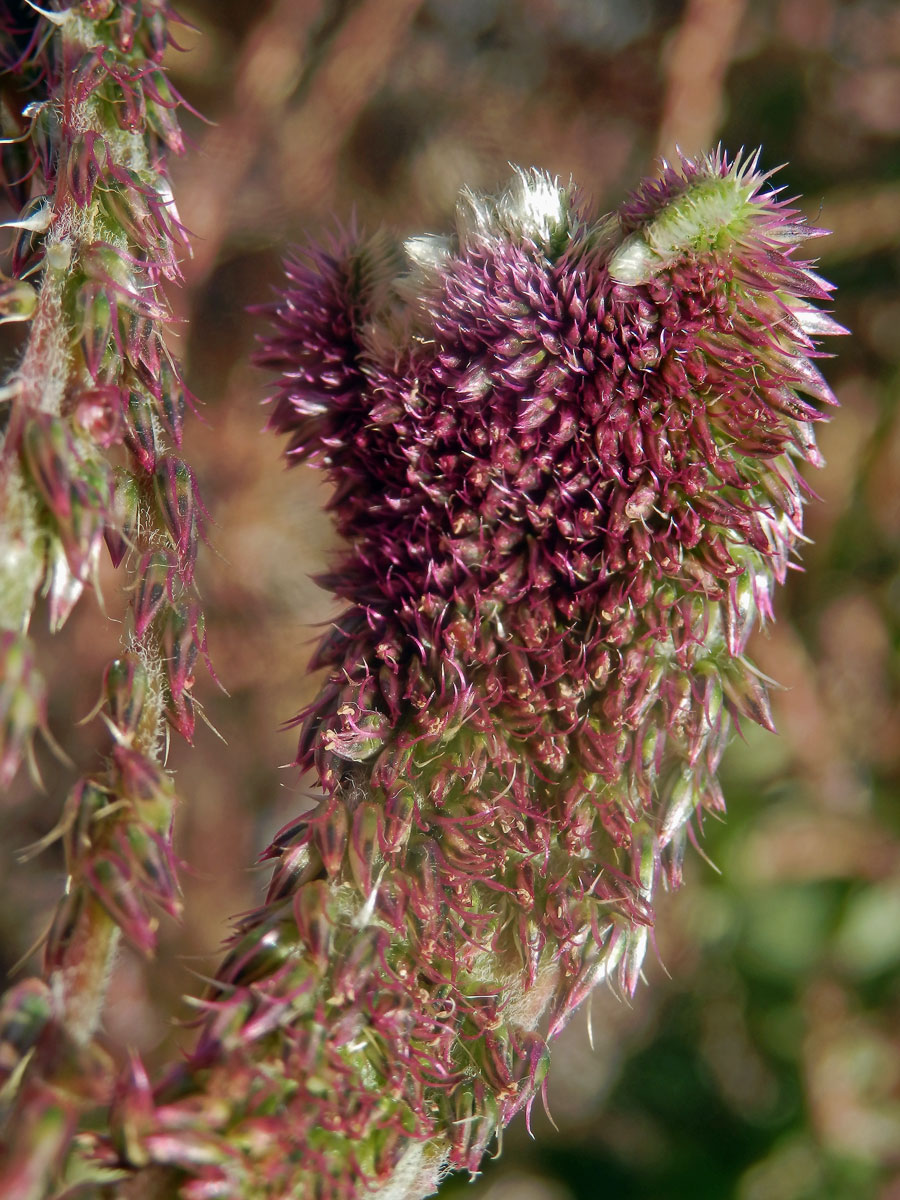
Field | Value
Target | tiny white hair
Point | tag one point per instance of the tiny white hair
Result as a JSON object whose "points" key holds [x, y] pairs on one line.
{"points": [[532, 207]]}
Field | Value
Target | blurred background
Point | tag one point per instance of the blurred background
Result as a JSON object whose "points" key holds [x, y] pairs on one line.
{"points": [[762, 1059]]}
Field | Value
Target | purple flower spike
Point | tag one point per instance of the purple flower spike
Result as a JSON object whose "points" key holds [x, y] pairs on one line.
{"points": [[92, 410], [564, 456]]}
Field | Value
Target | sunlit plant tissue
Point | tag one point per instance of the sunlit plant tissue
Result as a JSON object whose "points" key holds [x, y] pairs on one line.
{"points": [[564, 456]]}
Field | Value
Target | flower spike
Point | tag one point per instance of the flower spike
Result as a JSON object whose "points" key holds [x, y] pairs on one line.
{"points": [[564, 455], [96, 236]]}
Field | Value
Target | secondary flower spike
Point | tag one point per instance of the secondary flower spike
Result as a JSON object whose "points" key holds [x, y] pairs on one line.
{"points": [[564, 456], [91, 416]]}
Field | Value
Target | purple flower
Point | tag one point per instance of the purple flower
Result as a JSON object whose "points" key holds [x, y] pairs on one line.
{"points": [[564, 456]]}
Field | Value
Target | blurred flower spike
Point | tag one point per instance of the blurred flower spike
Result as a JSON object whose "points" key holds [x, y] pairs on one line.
{"points": [[90, 417], [564, 453]]}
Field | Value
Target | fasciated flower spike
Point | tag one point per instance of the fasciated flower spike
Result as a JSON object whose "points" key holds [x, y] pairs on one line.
{"points": [[564, 454]]}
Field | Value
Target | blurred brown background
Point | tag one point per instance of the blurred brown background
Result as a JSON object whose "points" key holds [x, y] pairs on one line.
{"points": [[763, 1059]]}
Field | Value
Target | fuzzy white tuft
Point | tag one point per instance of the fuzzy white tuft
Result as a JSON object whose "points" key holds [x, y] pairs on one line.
{"points": [[533, 207]]}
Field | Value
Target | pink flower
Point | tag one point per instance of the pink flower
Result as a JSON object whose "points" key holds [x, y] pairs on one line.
{"points": [[564, 456]]}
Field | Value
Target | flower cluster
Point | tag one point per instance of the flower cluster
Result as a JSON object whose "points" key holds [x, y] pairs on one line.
{"points": [[92, 419], [564, 454]]}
